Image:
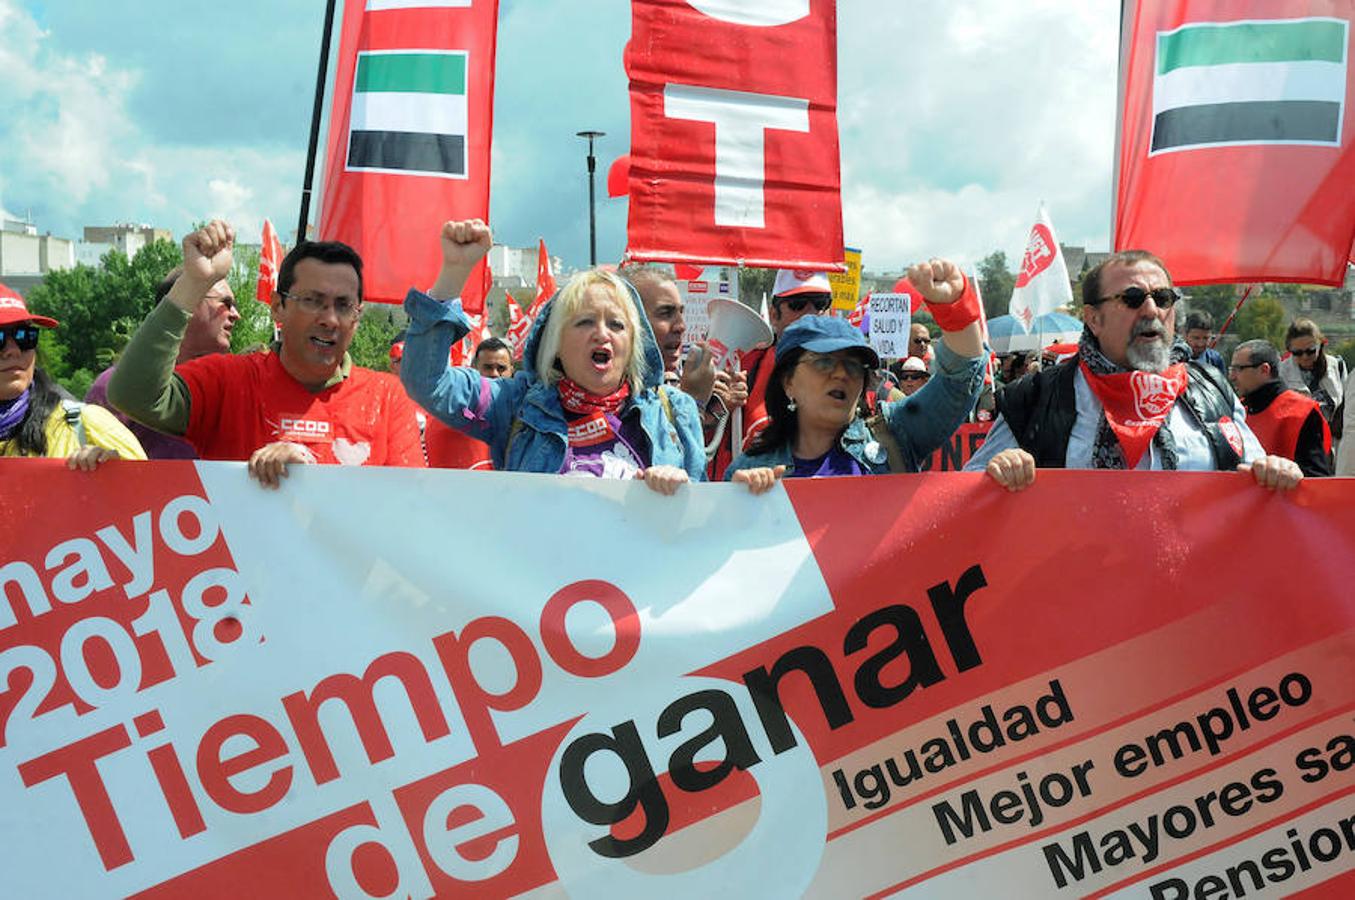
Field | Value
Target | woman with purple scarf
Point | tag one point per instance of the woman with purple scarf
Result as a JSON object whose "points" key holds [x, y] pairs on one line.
{"points": [[34, 418]]}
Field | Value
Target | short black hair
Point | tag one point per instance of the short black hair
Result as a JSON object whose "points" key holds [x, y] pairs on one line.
{"points": [[325, 252], [1091, 282], [1259, 351], [1199, 321], [490, 345]]}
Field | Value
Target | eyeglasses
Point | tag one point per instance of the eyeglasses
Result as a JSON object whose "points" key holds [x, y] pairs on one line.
{"points": [[1134, 297], [1247, 366], [345, 308], [827, 365], [914, 376], [25, 336], [1311, 351], [797, 304]]}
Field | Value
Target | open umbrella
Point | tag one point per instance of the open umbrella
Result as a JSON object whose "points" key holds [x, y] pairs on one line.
{"points": [[1006, 335]]}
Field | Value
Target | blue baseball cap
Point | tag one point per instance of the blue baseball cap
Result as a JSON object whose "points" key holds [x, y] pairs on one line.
{"points": [[825, 334]]}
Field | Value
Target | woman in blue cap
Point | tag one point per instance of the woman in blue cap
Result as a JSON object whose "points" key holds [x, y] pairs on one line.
{"points": [[821, 368]]}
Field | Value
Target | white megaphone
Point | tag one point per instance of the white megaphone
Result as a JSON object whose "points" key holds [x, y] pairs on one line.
{"points": [[734, 330]]}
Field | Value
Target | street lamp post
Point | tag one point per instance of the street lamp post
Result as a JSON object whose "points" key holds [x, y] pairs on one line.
{"points": [[592, 202]]}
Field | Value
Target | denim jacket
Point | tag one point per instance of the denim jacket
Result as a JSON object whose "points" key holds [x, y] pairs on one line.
{"points": [[520, 418], [920, 423]]}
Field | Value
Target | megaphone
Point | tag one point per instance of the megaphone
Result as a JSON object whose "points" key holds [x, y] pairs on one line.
{"points": [[734, 330]]}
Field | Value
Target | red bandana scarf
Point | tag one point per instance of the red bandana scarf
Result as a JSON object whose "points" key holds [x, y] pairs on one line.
{"points": [[1136, 404], [599, 413]]}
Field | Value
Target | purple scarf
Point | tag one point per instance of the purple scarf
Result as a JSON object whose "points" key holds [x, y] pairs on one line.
{"points": [[12, 413]]}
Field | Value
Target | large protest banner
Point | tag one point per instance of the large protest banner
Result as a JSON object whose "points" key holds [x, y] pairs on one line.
{"points": [[849, 687]]}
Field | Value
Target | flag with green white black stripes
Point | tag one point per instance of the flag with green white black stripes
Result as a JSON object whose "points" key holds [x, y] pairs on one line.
{"points": [[409, 113], [1274, 81]]}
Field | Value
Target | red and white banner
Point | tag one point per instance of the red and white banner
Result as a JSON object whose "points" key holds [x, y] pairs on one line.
{"points": [[212, 690], [734, 145], [1237, 146], [270, 261], [409, 136]]}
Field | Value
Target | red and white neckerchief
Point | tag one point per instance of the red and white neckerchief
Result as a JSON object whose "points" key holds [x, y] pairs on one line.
{"points": [[1136, 404]]}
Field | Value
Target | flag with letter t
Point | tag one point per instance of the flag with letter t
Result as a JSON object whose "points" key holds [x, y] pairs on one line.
{"points": [[409, 138], [1236, 154]]}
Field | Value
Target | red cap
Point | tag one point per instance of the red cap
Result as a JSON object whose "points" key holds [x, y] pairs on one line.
{"points": [[13, 309], [397, 351]]}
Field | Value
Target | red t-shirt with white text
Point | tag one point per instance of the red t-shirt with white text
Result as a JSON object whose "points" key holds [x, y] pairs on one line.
{"points": [[241, 403]]}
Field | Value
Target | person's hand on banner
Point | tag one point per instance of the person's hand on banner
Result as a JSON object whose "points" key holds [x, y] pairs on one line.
{"points": [[207, 259], [1012, 469], [464, 243], [87, 459], [759, 480], [268, 464], [664, 479], [1274, 473]]}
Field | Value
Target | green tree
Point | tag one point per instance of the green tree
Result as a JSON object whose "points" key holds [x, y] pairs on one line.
{"points": [[1262, 318], [99, 309], [996, 282], [377, 328], [1216, 299], [255, 326], [753, 283]]}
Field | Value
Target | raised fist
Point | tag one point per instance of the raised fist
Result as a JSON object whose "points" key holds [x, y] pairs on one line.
{"points": [[207, 252], [938, 280], [465, 243]]}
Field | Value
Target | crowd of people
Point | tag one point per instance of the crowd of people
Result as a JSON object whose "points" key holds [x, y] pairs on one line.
{"points": [[607, 385]]}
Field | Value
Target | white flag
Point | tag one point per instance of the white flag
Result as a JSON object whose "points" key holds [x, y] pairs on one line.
{"points": [[1042, 284]]}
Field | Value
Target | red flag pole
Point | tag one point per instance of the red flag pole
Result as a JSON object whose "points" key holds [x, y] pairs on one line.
{"points": [[1233, 315], [320, 80]]}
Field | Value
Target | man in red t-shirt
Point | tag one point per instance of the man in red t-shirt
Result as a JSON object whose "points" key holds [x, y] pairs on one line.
{"points": [[304, 402]]}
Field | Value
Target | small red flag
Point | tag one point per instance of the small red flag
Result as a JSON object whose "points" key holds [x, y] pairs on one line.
{"points": [[270, 259], [545, 281], [519, 324]]}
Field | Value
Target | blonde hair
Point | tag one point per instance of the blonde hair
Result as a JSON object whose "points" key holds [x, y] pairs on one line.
{"points": [[565, 307]]}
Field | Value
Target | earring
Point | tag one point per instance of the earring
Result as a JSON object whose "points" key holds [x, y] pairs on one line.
{"points": [[790, 404]]}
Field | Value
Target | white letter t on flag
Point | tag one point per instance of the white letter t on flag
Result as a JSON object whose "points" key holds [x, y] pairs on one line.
{"points": [[740, 120]]}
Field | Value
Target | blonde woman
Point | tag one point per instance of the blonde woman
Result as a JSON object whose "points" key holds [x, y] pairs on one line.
{"points": [[588, 399]]}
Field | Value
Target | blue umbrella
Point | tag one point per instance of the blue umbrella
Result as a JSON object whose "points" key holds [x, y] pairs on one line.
{"points": [[1006, 335]]}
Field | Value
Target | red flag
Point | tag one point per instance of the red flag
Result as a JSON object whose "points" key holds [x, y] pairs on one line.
{"points": [[462, 351], [904, 286], [519, 324], [1236, 150], [734, 149], [858, 313], [270, 258], [545, 281], [409, 137]]}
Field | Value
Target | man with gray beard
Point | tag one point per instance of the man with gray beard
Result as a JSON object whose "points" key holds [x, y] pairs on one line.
{"points": [[1131, 398]]}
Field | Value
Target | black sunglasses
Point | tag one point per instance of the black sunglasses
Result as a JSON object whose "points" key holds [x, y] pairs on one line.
{"points": [[25, 336], [1310, 351], [1134, 297], [797, 304], [914, 376]]}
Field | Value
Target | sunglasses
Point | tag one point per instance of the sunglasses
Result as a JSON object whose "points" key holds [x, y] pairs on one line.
{"points": [[827, 365], [25, 336], [1134, 297], [797, 304], [1311, 351], [914, 376]]}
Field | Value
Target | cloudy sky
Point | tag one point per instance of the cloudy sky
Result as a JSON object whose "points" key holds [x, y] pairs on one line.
{"points": [[957, 117]]}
